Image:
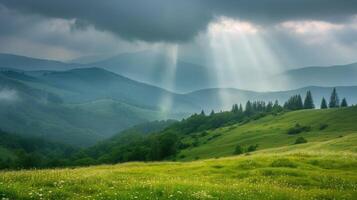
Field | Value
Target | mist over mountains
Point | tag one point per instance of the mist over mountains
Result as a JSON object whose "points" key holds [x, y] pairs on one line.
{"points": [[80, 104]]}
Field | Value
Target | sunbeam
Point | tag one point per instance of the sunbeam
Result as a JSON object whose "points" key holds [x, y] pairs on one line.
{"points": [[168, 76]]}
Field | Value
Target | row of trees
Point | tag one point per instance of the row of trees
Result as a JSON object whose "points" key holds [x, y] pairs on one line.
{"points": [[296, 103], [334, 101]]}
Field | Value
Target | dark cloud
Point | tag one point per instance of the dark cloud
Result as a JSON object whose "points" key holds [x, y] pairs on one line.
{"points": [[179, 20]]}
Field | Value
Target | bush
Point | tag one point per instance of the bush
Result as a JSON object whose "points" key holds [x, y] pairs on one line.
{"points": [[298, 129], [300, 140], [323, 126], [252, 148], [238, 150]]}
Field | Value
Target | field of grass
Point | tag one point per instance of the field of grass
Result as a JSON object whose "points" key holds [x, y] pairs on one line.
{"points": [[271, 132], [294, 175], [323, 168]]}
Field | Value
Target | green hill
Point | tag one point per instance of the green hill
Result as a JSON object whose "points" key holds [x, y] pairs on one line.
{"points": [[338, 125], [323, 168]]}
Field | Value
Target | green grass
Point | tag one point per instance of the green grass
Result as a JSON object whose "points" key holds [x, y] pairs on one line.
{"points": [[271, 131], [323, 168], [297, 175]]}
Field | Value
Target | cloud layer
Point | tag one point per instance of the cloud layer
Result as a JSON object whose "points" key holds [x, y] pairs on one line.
{"points": [[176, 21]]}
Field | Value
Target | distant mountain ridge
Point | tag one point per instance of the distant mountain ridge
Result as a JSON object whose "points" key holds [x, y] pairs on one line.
{"points": [[9, 61], [158, 69], [338, 75]]}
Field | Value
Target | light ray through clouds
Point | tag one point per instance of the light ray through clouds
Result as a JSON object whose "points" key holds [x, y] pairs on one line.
{"points": [[241, 58], [168, 76]]}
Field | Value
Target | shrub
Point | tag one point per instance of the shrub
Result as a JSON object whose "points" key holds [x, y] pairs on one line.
{"points": [[252, 148], [323, 126], [238, 150], [298, 129], [300, 140]]}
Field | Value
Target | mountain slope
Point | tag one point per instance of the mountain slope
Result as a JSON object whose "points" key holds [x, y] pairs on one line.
{"points": [[80, 106], [340, 75], [31, 111], [95, 83], [272, 131], [9, 61], [323, 168], [159, 69]]}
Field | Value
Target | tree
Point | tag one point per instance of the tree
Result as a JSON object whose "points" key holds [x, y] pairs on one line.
{"points": [[240, 108], [294, 103], [248, 108], [334, 100], [344, 103], [323, 103], [309, 102], [235, 108], [269, 107], [203, 113], [276, 107], [212, 113]]}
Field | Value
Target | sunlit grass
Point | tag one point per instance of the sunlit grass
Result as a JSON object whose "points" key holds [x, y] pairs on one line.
{"points": [[305, 175]]}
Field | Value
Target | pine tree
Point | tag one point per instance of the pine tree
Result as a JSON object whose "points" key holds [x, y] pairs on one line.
{"points": [[334, 100], [269, 107], [212, 113], [344, 103], [299, 104], [294, 103], [248, 108], [323, 103], [276, 107], [240, 108], [309, 102], [203, 113], [235, 108]]}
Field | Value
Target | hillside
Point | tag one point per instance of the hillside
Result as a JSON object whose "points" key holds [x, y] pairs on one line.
{"points": [[339, 75], [9, 61], [156, 68], [272, 131], [323, 168], [280, 174], [81, 106], [30, 107]]}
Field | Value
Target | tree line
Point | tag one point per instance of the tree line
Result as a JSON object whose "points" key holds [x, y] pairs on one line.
{"points": [[296, 103]]}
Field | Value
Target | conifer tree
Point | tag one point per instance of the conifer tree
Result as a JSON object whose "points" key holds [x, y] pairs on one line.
{"points": [[334, 100], [212, 113], [235, 108], [203, 113], [323, 103], [309, 102], [344, 103], [248, 108], [240, 108]]}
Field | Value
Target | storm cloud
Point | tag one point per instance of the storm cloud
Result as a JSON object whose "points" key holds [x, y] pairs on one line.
{"points": [[179, 20]]}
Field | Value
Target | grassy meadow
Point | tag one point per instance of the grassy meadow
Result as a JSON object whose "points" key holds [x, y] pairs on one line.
{"points": [[323, 168]]}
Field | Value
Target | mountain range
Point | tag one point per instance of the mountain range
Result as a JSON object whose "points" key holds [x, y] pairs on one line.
{"points": [[79, 105]]}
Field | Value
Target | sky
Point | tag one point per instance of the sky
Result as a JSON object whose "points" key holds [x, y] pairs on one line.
{"points": [[246, 36]]}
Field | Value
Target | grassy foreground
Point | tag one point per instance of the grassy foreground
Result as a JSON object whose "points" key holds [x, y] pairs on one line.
{"points": [[266, 175], [323, 168]]}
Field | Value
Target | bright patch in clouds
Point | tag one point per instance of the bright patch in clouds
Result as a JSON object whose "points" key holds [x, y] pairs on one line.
{"points": [[228, 25], [308, 27]]}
